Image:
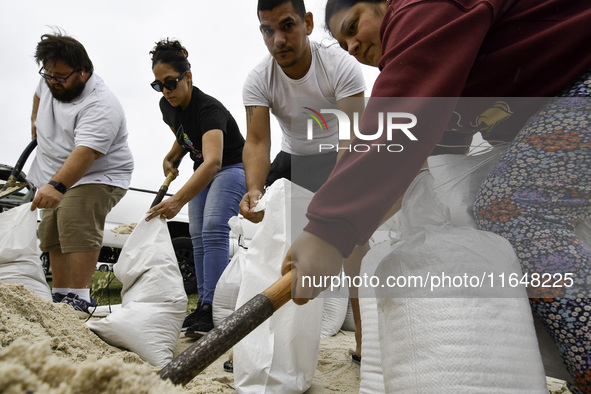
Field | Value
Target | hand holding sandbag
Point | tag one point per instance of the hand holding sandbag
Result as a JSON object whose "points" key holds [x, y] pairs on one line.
{"points": [[316, 260]]}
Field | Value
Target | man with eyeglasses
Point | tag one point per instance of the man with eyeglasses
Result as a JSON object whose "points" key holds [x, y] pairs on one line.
{"points": [[82, 167]]}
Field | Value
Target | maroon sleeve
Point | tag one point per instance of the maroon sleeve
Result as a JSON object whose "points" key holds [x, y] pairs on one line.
{"points": [[429, 49]]}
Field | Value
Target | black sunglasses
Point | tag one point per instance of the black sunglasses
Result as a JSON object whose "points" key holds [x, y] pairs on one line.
{"points": [[57, 79], [170, 84]]}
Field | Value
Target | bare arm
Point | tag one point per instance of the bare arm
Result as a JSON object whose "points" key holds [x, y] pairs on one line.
{"points": [[173, 159], [213, 148], [34, 115], [74, 168], [350, 105], [256, 159]]}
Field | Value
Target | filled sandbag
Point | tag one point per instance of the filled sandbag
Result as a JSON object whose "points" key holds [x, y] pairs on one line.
{"points": [[457, 179], [382, 242], [279, 356], [154, 301], [349, 322], [334, 311], [456, 338], [228, 285], [19, 254], [371, 371]]}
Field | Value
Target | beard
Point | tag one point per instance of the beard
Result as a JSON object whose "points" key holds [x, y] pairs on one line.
{"points": [[286, 63], [65, 95]]}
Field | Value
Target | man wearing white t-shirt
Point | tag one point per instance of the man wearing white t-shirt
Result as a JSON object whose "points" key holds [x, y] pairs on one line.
{"points": [[295, 68], [82, 167], [296, 76]]}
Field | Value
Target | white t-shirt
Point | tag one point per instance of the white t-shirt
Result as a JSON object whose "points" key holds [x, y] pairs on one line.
{"points": [[96, 120], [333, 75]]}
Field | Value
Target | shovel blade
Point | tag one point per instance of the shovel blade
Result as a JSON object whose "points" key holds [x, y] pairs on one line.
{"points": [[10, 190]]}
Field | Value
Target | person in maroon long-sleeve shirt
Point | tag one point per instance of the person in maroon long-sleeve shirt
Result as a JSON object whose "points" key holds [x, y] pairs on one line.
{"points": [[445, 49]]}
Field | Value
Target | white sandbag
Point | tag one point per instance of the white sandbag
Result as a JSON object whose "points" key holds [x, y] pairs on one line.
{"points": [[105, 310], [371, 372], [280, 355], [228, 286], [457, 179], [154, 302], [349, 322], [333, 316], [465, 343], [377, 238], [449, 345], [19, 254], [334, 311]]}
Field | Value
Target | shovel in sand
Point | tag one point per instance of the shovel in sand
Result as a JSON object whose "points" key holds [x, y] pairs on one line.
{"points": [[12, 186], [239, 324]]}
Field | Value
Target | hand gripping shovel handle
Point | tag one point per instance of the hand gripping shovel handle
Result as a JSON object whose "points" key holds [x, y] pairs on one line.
{"points": [[163, 189], [229, 332]]}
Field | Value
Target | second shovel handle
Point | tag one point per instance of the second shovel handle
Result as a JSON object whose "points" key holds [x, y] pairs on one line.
{"points": [[163, 189]]}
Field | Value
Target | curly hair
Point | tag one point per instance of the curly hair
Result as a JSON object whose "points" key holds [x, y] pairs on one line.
{"points": [[172, 53], [59, 47]]}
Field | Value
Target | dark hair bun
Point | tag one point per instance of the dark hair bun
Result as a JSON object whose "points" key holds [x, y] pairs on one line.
{"points": [[171, 52]]}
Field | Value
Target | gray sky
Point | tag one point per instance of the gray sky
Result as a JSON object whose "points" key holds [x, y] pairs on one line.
{"points": [[222, 38]]}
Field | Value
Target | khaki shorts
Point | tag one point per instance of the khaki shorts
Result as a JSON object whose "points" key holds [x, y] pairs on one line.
{"points": [[77, 224]]}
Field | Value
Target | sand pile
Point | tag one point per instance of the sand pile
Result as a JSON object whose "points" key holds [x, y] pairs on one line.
{"points": [[124, 228], [32, 367], [25, 316], [47, 348]]}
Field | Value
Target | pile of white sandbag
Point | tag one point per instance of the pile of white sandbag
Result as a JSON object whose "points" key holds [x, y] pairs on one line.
{"points": [[19, 254]]}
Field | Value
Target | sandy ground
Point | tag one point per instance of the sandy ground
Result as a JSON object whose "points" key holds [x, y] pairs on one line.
{"points": [[335, 373], [47, 348]]}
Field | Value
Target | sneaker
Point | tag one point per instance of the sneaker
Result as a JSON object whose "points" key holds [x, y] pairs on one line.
{"points": [[57, 297], [204, 323], [356, 359], [229, 366], [191, 318], [79, 304]]}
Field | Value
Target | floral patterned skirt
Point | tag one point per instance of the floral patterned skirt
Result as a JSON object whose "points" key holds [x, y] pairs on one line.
{"points": [[535, 197]]}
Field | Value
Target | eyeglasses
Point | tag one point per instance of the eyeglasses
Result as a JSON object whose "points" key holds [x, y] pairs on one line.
{"points": [[57, 79], [169, 85]]}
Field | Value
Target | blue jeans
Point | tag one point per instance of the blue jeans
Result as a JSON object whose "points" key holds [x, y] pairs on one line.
{"points": [[209, 213]]}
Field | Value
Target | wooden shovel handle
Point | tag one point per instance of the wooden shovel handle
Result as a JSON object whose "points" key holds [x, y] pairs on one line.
{"points": [[163, 189], [280, 292], [168, 179], [229, 332]]}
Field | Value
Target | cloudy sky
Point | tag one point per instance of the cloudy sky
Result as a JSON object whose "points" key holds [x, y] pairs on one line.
{"points": [[222, 38]]}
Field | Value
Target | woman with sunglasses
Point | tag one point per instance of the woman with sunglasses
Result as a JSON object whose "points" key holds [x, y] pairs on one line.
{"points": [[205, 129], [506, 51]]}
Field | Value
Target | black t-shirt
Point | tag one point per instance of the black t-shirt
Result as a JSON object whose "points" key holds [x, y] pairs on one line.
{"points": [[204, 113]]}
